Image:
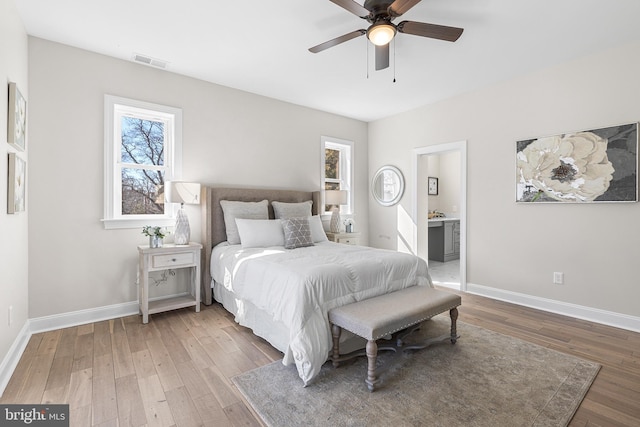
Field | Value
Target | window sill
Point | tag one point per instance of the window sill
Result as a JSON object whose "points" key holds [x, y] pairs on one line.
{"points": [[113, 224]]}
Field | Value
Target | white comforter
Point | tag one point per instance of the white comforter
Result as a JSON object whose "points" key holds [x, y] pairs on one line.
{"points": [[298, 287]]}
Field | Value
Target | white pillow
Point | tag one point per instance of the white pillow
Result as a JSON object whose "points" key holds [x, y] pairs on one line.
{"points": [[284, 210], [317, 230], [245, 210], [260, 233]]}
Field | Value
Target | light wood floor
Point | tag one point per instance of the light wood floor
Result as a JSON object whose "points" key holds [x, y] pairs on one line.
{"points": [[176, 370]]}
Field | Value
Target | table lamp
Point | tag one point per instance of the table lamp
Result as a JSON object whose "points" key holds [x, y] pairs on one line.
{"points": [[182, 192], [335, 198]]}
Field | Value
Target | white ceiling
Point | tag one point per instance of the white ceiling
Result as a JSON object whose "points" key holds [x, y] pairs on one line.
{"points": [[261, 46]]}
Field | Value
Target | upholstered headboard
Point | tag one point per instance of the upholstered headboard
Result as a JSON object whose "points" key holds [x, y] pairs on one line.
{"points": [[213, 227]]}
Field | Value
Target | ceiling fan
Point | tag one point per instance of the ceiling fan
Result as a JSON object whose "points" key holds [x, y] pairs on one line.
{"points": [[380, 14]]}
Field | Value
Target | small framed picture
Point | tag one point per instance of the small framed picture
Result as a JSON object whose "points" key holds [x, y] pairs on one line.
{"points": [[433, 186], [16, 193], [17, 120]]}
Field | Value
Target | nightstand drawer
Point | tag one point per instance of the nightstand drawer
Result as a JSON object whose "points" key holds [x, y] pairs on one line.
{"points": [[172, 260], [344, 238], [347, 240]]}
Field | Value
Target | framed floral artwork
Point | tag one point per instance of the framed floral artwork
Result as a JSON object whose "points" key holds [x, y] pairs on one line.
{"points": [[17, 120], [598, 165], [16, 194]]}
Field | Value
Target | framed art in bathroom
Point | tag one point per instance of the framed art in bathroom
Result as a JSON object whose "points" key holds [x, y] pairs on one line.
{"points": [[432, 185]]}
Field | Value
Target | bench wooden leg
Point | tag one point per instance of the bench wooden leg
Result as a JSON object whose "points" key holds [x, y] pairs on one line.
{"points": [[454, 317], [372, 354], [335, 332]]}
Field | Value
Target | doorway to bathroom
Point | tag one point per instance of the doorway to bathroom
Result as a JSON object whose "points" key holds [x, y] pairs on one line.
{"points": [[439, 211]]}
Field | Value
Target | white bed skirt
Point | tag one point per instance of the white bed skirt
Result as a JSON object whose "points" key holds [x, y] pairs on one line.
{"points": [[247, 315], [263, 325]]}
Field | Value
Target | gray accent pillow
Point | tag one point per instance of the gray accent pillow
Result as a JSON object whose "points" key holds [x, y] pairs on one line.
{"points": [[245, 210], [297, 233], [284, 210]]}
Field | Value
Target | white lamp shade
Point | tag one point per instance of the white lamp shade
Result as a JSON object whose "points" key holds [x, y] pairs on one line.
{"points": [[336, 197], [182, 192]]}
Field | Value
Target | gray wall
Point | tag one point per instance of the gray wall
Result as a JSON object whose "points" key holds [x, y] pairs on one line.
{"points": [[229, 138], [13, 228], [514, 247]]}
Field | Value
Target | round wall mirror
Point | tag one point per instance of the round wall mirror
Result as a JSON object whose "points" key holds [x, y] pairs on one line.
{"points": [[388, 185]]}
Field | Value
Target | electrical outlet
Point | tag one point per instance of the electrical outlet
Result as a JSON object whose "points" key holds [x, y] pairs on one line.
{"points": [[10, 315], [558, 278]]}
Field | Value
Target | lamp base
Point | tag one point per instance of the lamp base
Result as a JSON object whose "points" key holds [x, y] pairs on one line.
{"points": [[182, 232], [334, 225]]}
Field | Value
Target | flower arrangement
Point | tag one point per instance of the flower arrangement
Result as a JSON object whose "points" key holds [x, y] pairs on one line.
{"points": [[151, 231], [156, 234]]}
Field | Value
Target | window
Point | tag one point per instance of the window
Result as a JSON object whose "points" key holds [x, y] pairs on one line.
{"points": [[143, 149], [337, 169]]}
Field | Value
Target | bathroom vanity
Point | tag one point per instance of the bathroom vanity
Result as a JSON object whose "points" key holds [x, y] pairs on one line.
{"points": [[444, 239]]}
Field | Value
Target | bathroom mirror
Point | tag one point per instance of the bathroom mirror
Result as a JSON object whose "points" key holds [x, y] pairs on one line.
{"points": [[387, 185]]}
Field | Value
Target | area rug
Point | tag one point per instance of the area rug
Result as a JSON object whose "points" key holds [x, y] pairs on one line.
{"points": [[486, 379]]}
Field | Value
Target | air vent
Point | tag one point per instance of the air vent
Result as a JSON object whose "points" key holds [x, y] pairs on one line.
{"points": [[147, 60]]}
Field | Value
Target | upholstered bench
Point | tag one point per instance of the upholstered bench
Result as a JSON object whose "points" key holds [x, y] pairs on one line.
{"points": [[399, 312]]}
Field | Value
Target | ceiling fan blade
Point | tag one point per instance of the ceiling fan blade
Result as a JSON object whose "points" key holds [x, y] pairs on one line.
{"points": [[400, 7], [433, 31], [352, 7], [382, 57], [337, 41]]}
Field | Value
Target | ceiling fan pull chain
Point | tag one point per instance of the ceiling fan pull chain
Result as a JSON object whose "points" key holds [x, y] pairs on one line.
{"points": [[394, 60], [366, 46]]}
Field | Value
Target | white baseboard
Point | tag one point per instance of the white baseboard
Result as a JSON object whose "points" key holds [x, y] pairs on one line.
{"points": [[82, 317], [12, 358], [596, 315]]}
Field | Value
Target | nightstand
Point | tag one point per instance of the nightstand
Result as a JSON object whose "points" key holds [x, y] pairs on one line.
{"points": [[346, 238], [168, 257]]}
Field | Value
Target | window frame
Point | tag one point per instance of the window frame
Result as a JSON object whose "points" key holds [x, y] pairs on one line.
{"points": [[114, 108], [346, 149]]}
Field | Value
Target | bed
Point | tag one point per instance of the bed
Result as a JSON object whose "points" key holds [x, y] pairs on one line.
{"points": [[284, 295]]}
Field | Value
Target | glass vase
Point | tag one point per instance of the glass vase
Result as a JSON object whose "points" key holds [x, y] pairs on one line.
{"points": [[155, 242]]}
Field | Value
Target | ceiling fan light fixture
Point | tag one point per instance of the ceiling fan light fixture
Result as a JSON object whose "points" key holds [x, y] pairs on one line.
{"points": [[381, 33]]}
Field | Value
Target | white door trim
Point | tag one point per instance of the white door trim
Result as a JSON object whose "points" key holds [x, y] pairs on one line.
{"points": [[460, 146]]}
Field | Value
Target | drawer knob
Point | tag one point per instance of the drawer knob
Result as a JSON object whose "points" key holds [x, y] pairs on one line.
{"points": [[173, 259]]}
